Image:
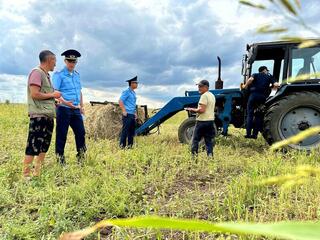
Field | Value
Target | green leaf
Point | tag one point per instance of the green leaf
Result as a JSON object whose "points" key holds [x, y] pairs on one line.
{"points": [[284, 230], [308, 43], [304, 42], [298, 3], [303, 172], [288, 6], [293, 39], [250, 4], [299, 137], [268, 29], [303, 77]]}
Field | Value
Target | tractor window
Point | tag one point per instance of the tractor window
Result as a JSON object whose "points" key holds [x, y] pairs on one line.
{"points": [[297, 66], [315, 64], [258, 63], [305, 61]]}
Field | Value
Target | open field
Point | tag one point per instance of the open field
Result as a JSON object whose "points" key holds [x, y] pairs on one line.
{"points": [[157, 177]]}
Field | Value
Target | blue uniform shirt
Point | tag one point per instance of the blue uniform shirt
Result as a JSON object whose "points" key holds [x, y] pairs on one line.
{"points": [[261, 83], [129, 99], [68, 84]]}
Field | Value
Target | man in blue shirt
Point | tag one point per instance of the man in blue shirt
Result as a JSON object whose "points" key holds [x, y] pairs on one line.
{"points": [[259, 85], [127, 104], [70, 109]]}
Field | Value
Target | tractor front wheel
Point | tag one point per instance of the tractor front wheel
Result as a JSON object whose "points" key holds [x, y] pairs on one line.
{"points": [[292, 114], [186, 129]]}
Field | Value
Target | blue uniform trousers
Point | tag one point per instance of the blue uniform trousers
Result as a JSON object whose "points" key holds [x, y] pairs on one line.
{"points": [[69, 117], [128, 130]]}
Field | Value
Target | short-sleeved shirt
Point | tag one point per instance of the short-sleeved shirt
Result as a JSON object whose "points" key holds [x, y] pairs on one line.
{"points": [[129, 99], [261, 83], [209, 100], [34, 79], [68, 83]]}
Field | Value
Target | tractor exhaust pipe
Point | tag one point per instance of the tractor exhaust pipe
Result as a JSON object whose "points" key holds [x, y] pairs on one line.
{"points": [[219, 82]]}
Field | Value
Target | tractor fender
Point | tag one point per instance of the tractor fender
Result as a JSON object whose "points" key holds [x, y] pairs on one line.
{"points": [[289, 88]]}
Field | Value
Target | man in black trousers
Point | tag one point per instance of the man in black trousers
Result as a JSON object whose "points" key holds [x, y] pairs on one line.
{"points": [[204, 127], [127, 104], [70, 110]]}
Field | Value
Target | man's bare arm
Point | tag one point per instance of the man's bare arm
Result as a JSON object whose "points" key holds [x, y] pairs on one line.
{"points": [[248, 82], [276, 85], [37, 95], [67, 103], [81, 104], [200, 109], [81, 100]]}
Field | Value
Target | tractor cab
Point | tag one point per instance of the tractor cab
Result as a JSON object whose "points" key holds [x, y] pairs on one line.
{"points": [[284, 60], [296, 105]]}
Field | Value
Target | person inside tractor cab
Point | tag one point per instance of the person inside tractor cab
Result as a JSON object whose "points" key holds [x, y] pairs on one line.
{"points": [[304, 69], [259, 86]]}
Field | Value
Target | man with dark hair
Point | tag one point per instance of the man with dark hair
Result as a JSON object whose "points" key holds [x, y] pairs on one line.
{"points": [[71, 108], [259, 86], [44, 55], [127, 103], [41, 111], [204, 127]]}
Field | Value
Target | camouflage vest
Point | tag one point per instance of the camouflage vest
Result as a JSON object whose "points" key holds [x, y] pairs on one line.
{"points": [[42, 107]]}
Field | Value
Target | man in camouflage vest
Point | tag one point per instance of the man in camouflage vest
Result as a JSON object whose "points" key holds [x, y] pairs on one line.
{"points": [[41, 111]]}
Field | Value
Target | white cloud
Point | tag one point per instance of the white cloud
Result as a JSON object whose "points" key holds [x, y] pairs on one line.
{"points": [[13, 88], [169, 44], [239, 19]]}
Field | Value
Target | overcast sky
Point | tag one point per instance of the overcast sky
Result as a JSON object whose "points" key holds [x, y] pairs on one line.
{"points": [[169, 44]]}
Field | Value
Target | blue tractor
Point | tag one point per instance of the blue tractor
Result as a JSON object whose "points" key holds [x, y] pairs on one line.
{"points": [[293, 108]]}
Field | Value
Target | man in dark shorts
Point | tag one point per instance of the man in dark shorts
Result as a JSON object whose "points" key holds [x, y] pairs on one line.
{"points": [[41, 111]]}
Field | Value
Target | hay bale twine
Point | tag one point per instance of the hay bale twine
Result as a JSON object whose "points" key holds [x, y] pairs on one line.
{"points": [[105, 121]]}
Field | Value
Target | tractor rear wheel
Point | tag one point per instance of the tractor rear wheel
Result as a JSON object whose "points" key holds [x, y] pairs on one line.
{"points": [[292, 114], [186, 129]]}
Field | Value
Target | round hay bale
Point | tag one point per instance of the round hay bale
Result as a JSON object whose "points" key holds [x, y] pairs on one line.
{"points": [[105, 121]]}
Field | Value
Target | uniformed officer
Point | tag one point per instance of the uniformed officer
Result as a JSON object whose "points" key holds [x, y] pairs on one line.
{"points": [[127, 104], [259, 85], [70, 108]]}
